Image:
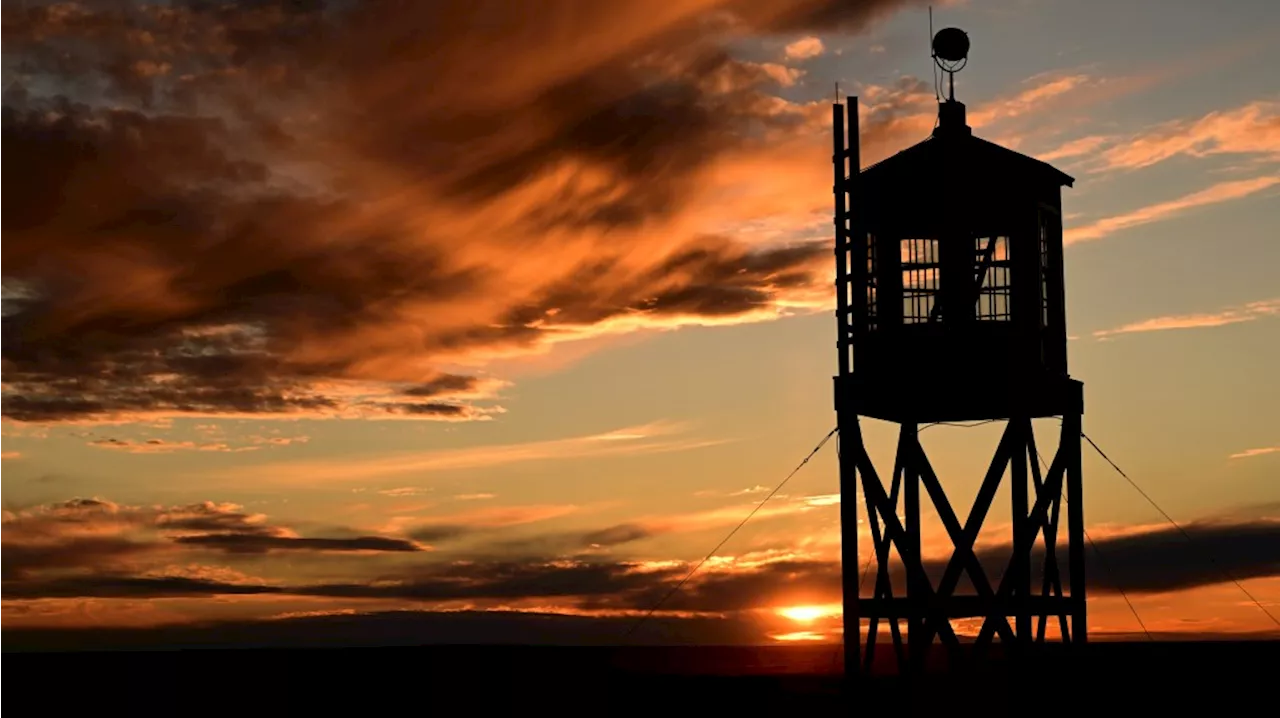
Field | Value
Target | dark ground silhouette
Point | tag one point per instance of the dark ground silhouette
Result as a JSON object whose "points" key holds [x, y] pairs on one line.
{"points": [[1189, 676]]}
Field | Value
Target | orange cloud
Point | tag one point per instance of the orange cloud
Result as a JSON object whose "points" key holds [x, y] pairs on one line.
{"points": [[781, 74], [1075, 148], [1246, 313], [1251, 129], [734, 514], [276, 233], [1221, 192], [804, 48], [486, 518], [1039, 91], [1249, 453], [403, 491]]}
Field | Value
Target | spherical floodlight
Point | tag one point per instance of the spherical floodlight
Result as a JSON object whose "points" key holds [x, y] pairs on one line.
{"points": [[951, 44]]}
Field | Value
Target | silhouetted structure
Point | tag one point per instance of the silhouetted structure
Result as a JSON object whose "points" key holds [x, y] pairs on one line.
{"points": [[950, 303]]}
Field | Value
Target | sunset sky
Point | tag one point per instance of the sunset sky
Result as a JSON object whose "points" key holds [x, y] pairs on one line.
{"points": [[344, 307]]}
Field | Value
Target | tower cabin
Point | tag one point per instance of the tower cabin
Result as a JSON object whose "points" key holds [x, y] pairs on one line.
{"points": [[955, 283]]}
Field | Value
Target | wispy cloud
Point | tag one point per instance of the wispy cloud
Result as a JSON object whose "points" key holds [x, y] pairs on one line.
{"points": [[403, 491], [1234, 315], [164, 446], [1249, 453], [655, 437], [733, 514], [11, 455], [1221, 192], [1251, 129], [1037, 91], [740, 492], [822, 500], [1075, 148], [489, 517], [161, 446]]}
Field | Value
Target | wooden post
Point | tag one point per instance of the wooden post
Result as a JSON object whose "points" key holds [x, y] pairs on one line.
{"points": [[850, 440], [909, 441], [1070, 447], [1022, 536]]}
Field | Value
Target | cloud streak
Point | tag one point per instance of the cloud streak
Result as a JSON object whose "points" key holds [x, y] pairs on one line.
{"points": [[1250, 453], [1252, 129], [99, 537], [1215, 194], [642, 439], [1252, 311]]}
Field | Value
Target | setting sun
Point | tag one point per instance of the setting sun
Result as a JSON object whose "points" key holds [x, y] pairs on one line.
{"points": [[808, 614]]}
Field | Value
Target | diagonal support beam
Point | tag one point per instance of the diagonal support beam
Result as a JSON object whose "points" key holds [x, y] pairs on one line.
{"points": [[952, 524], [1052, 583], [1026, 530], [883, 592], [978, 514], [893, 528]]}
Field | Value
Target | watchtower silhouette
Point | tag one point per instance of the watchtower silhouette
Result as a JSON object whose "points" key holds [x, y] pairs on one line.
{"points": [[950, 306]]}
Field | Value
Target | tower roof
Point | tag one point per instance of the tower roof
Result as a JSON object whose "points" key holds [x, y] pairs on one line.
{"points": [[953, 148]]}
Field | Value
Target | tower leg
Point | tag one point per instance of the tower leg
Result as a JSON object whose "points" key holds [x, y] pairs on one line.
{"points": [[908, 449], [1070, 446], [1024, 538], [1048, 495], [911, 469], [850, 452]]}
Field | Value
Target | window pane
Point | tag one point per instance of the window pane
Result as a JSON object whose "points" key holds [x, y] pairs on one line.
{"points": [[992, 272], [920, 280]]}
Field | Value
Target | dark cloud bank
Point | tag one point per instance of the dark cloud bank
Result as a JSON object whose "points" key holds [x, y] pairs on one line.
{"points": [[51, 555]]}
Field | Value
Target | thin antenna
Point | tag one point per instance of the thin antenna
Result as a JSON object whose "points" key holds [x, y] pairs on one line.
{"points": [[837, 92], [933, 54]]}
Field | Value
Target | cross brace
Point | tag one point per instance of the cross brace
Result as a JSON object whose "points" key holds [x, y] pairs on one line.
{"points": [[905, 589]]}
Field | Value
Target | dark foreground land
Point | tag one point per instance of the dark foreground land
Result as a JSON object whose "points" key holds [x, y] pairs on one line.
{"points": [[449, 680]]}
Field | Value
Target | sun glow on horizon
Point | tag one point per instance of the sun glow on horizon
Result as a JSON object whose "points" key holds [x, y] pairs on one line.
{"points": [[809, 614], [798, 636]]}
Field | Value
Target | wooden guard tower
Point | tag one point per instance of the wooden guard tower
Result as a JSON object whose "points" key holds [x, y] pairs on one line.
{"points": [[950, 306]]}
